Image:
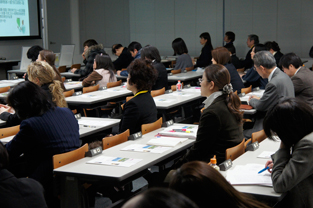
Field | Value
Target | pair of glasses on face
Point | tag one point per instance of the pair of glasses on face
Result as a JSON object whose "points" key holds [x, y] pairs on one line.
{"points": [[200, 80]]}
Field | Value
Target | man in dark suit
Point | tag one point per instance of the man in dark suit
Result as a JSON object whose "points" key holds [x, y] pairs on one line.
{"points": [[251, 41], [301, 77], [279, 86]]}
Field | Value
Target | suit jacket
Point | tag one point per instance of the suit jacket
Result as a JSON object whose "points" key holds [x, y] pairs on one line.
{"points": [[230, 45], [205, 56], [279, 87], [303, 84], [123, 60], [235, 79], [292, 174], [218, 130], [20, 193], [162, 80], [248, 62], [277, 57], [137, 111]]}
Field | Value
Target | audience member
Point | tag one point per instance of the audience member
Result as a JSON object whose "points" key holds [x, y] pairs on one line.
{"points": [[45, 130], [141, 108], [183, 59], [252, 77], [292, 168], [251, 41], [229, 38], [279, 86], [301, 77], [273, 47], [221, 56], [205, 56], [160, 197], [208, 188], [220, 125], [311, 52], [135, 50], [152, 54], [103, 72], [234, 59], [124, 57], [33, 52]]}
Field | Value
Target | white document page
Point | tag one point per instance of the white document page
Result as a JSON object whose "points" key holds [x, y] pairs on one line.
{"points": [[114, 161], [166, 141], [146, 148]]}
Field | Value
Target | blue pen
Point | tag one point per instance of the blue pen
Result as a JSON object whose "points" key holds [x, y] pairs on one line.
{"points": [[261, 171]]}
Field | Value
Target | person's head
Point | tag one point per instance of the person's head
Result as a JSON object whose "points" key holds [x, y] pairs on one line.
{"points": [[29, 100], [150, 53], [252, 40], [231, 49], [88, 43], [160, 197], [104, 62], [4, 157], [33, 52], [290, 63], [207, 187], [257, 48], [205, 39], [291, 120], [220, 55], [41, 73], [47, 56], [179, 46], [117, 49], [217, 78], [229, 37], [134, 47], [264, 63], [272, 46], [141, 75]]}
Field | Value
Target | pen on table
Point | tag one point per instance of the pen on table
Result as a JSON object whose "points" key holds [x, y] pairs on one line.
{"points": [[89, 126], [264, 169]]}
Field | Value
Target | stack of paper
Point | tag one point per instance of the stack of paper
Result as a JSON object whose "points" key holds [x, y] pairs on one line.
{"points": [[114, 161], [146, 148], [94, 122], [248, 175], [181, 131], [166, 141]]}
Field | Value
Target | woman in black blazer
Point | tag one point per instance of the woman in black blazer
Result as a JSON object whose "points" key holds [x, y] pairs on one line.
{"points": [[141, 108], [205, 57]]}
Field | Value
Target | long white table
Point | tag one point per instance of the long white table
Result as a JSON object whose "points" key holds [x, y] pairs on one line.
{"points": [[10, 83], [191, 75], [76, 85], [70, 75]]}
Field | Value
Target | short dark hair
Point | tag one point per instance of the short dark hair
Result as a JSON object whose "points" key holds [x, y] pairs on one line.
{"points": [[4, 157], [291, 119], [28, 100], [104, 61], [179, 46], [221, 55], [230, 48], [134, 45], [116, 46], [231, 36], [254, 37], [33, 52], [259, 47], [151, 53], [290, 58], [272, 45], [90, 42], [142, 74]]}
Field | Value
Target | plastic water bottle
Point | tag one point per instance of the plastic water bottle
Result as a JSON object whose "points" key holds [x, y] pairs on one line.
{"points": [[213, 164], [178, 86]]}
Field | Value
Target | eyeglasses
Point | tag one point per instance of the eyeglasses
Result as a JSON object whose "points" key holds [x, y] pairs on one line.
{"points": [[200, 80]]}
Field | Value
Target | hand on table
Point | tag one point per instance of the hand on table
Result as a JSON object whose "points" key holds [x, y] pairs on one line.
{"points": [[269, 164], [254, 97], [73, 70], [5, 108]]}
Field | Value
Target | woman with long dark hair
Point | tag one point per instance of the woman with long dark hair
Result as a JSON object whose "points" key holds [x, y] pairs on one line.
{"points": [[183, 59], [205, 56]]}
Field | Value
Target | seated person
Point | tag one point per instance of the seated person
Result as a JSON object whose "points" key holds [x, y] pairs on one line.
{"points": [[180, 49], [91, 49], [273, 47], [152, 54], [220, 125], [292, 165], [124, 57], [45, 130], [234, 59], [311, 52], [252, 77], [208, 188], [221, 56], [32, 54], [205, 56], [160, 197], [141, 108], [301, 77], [229, 39], [42, 74], [14, 192], [135, 50], [251, 42], [103, 72]]}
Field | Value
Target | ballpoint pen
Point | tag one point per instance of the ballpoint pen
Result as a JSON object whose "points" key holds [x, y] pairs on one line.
{"points": [[264, 169]]}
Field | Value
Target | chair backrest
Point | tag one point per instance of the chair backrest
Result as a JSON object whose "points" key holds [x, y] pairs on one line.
{"points": [[108, 142], [4, 89], [202, 109], [114, 84], [258, 136], [234, 152], [63, 79], [90, 89], [155, 93], [176, 71], [246, 143], [246, 90], [65, 158], [77, 66], [124, 69], [62, 69], [68, 93], [189, 68], [9, 131], [128, 98], [146, 128], [241, 70]]}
